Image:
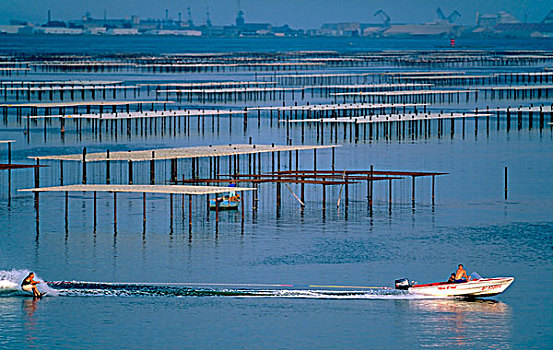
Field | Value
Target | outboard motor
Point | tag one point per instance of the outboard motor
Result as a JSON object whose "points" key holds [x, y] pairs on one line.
{"points": [[403, 284]]}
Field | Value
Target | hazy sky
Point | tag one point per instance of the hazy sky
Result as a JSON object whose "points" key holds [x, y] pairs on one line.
{"points": [[298, 13]]}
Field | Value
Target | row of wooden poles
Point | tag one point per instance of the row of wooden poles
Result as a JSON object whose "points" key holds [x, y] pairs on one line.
{"points": [[413, 129], [237, 95], [76, 92], [326, 131], [139, 126], [33, 109], [13, 72], [344, 178], [254, 165], [271, 94], [492, 79], [469, 61], [253, 170], [264, 94], [324, 178], [97, 67], [144, 210], [450, 97], [176, 65]]}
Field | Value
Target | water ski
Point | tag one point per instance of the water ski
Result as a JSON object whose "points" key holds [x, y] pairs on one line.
{"points": [[36, 296]]}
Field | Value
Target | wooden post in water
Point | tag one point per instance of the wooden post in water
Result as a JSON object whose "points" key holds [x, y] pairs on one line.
{"points": [[37, 183], [206, 203], [171, 209], [508, 119], [390, 195], [324, 195], [433, 186], [153, 169], [173, 170], [84, 165], [333, 157], [278, 195], [413, 190], [115, 209], [61, 172], [190, 212], [242, 199], [505, 183], [347, 192], [370, 188], [95, 210], [66, 210], [216, 211], [130, 172], [254, 195], [108, 179], [9, 174]]}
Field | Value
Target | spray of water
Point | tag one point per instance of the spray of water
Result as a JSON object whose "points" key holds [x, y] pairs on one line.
{"points": [[10, 283]]}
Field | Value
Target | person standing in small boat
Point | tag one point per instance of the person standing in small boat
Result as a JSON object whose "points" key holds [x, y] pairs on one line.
{"points": [[29, 285], [461, 275], [233, 196]]}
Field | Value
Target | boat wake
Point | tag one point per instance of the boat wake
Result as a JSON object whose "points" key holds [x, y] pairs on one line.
{"points": [[10, 282], [82, 288]]}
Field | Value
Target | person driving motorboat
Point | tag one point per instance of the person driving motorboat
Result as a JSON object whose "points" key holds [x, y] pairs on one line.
{"points": [[461, 275]]}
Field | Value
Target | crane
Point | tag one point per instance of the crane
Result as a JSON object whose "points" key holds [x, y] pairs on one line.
{"points": [[453, 16], [449, 19], [190, 22], [383, 16]]}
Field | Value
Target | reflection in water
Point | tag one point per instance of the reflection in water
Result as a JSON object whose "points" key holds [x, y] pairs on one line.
{"points": [[462, 323], [30, 306]]}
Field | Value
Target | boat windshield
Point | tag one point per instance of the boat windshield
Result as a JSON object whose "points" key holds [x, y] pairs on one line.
{"points": [[475, 276]]}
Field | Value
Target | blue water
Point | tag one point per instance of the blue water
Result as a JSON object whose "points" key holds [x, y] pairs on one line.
{"points": [[170, 44], [166, 286]]}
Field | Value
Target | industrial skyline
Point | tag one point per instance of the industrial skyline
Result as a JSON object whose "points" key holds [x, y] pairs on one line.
{"points": [[445, 24], [303, 14]]}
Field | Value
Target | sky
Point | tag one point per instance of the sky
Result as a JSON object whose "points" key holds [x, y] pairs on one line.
{"points": [[302, 14]]}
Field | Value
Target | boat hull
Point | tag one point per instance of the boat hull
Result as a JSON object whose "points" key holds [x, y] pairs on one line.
{"points": [[485, 287], [224, 205]]}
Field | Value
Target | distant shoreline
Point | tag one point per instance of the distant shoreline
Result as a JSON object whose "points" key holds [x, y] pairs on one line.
{"points": [[14, 44]]}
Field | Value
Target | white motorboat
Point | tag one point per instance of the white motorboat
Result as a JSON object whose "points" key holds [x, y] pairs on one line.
{"points": [[479, 287]]}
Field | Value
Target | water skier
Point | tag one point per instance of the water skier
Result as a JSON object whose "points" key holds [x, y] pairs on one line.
{"points": [[29, 285]]}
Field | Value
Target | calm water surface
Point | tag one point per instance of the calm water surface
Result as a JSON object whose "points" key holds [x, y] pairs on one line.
{"points": [[470, 223]]}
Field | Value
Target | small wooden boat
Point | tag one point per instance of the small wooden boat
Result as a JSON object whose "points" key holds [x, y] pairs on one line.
{"points": [[229, 202]]}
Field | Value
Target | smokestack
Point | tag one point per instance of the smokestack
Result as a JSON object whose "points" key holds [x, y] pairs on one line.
{"points": [[180, 19], [166, 16], [49, 16]]}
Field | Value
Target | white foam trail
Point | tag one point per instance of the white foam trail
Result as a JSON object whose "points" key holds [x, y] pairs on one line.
{"points": [[332, 294], [10, 283], [114, 289]]}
